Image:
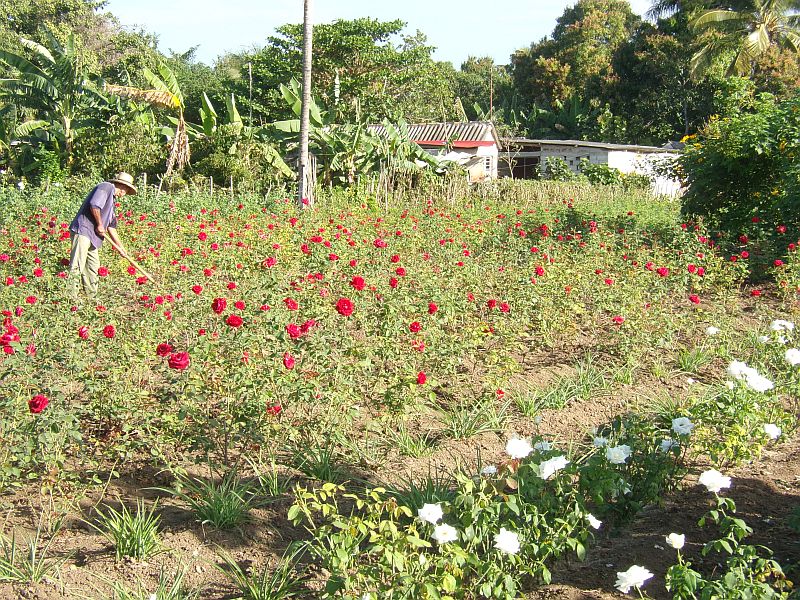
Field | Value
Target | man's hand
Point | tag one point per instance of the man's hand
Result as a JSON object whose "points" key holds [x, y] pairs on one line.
{"points": [[101, 231]]}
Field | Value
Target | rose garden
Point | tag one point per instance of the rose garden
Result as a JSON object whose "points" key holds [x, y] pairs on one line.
{"points": [[426, 401]]}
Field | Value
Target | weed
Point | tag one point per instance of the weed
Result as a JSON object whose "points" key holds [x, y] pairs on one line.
{"points": [[269, 584], [412, 445], [224, 504], [133, 534], [318, 461], [691, 361], [436, 486], [29, 564], [169, 588], [484, 417]]}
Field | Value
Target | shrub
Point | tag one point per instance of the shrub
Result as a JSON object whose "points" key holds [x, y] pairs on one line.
{"points": [[743, 174]]}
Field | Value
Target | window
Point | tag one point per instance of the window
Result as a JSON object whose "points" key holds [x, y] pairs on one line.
{"points": [[487, 165]]}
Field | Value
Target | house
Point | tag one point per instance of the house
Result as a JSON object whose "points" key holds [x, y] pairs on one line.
{"points": [[475, 145], [524, 158]]}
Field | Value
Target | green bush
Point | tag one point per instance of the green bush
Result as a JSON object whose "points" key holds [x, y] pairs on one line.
{"points": [[743, 173], [600, 174], [229, 154], [133, 146], [557, 169]]}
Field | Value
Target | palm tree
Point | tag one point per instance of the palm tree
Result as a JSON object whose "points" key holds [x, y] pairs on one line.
{"points": [[746, 32], [305, 178], [54, 92]]}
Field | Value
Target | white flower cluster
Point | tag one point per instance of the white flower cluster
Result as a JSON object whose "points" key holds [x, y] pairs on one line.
{"points": [[552, 466], [752, 378]]}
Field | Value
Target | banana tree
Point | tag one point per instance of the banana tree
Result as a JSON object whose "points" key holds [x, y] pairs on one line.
{"points": [[164, 92], [54, 92], [243, 134]]}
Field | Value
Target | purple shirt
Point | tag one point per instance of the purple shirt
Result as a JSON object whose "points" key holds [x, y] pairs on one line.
{"points": [[101, 198]]}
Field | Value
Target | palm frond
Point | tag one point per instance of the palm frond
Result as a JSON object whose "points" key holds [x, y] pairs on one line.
{"points": [[711, 17]]}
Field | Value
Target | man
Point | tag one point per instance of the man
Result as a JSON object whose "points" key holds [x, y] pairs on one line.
{"points": [[95, 219]]}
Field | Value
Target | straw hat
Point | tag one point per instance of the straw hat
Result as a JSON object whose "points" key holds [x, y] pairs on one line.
{"points": [[125, 179]]}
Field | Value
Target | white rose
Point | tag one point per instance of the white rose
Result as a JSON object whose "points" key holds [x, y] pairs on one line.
{"points": [[793, 356], [772, 431], [594, 522], [712, 330], [714, 480], [617, 455], [600, 442], [682, 426], [781, 325], [444, 533], [518, 448], [430, 513], [507, 541], [489, 470], [668, 444], [676, 540], [633, 577], [551, 466]]}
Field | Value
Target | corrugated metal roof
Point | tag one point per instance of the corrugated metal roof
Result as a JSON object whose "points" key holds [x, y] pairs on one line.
{"points": [[584, 144], [475, 131]]}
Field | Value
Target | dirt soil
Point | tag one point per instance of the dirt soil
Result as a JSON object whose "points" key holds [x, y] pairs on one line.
{"points": [[766, 492]]}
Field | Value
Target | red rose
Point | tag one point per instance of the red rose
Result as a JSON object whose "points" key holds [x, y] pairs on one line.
{"points": [[432, 308], [344, 307], [179, 361], [164, 349], [234, 321], [293, 331], [31, 300], [197, 289], [505, 307], [83, 333], [421, 378], [288, 361], [305, 327], [291, 303], [694, 299], [415, 327], [358, 283], [401, 272], [393, 282], [274, 410], [102, 271], [219, 305], [395, 258], [109, 331], [38, 403], [618, 320], [491, 303], [202, 236]]}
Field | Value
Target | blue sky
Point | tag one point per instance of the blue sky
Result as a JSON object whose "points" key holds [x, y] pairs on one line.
{"points": [[457, 28]]}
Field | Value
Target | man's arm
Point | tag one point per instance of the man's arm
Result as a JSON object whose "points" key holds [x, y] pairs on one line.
{"points": [[112, 233], [98, 221]]}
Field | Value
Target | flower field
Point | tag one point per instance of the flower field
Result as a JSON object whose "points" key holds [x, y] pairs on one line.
{"points": [[429, 401]]}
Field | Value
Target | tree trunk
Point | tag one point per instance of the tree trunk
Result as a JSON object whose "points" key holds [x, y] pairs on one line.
{"points": [[305, 178]]}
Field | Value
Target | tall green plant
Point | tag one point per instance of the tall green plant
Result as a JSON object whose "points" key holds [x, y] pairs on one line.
{"points": [[55, 91]]}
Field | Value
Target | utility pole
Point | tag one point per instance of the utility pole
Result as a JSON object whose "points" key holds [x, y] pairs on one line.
{"points": [[250, 76], [305, 197], [491, 92]]}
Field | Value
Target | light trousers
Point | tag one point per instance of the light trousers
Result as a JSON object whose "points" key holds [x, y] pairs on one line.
{"points": [[84, 262]]}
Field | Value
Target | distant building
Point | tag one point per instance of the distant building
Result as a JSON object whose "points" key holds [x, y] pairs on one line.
{"points": [[475, 145], [524, 158]]}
